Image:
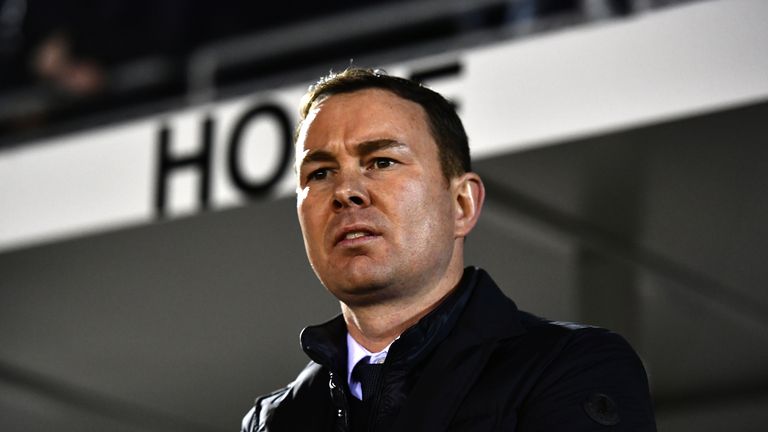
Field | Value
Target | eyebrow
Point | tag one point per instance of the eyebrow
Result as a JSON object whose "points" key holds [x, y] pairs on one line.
{"points": [[367, 147], [361, 149]]}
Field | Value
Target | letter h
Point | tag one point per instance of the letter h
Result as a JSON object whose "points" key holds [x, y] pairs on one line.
{"points": [[169, 163]]}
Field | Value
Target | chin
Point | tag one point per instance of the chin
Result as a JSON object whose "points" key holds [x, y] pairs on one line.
{"points": [[359, 290]]}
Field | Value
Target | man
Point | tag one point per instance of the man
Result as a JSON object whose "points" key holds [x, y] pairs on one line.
{"points": [[386, 197]]}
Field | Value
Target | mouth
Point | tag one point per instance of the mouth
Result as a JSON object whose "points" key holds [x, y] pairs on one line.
{"points": [[354, 235]]}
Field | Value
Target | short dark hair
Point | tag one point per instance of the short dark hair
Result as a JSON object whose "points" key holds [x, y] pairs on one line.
{"points": [[444, 124]]}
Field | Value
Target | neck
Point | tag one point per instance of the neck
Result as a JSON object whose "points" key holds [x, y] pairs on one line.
{"points": [[375, 326]]}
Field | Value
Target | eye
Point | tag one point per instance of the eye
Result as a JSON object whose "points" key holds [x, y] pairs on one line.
{"points": [[318, 174], [382, 163]]}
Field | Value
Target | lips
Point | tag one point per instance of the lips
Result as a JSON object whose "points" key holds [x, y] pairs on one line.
{"points": [[354, 232]]}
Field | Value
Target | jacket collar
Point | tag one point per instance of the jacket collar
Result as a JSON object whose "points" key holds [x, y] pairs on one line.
{"points": [[326, 344], [420, 340]]}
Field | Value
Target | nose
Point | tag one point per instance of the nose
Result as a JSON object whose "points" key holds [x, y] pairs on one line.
{"points": [[350, 192]]}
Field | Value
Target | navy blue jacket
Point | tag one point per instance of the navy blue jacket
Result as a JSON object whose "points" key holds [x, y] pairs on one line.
{"points": [[475, 363]]}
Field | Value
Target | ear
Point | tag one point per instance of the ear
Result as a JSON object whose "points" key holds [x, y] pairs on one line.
{"points": [[468, 197]]}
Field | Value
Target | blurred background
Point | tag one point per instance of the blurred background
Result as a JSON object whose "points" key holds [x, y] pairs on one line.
{"points": [[152, 272]]}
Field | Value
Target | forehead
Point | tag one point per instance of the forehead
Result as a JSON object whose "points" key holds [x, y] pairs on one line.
{"points": [[363, 115]]}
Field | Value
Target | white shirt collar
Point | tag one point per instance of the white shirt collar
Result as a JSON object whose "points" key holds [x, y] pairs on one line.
{"points": [[355, 353]]}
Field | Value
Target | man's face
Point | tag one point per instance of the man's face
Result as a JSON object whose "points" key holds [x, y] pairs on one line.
{"points": [[375, 210]]}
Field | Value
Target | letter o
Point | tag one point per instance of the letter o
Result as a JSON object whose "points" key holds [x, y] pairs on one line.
{"points": [[250, 188]]}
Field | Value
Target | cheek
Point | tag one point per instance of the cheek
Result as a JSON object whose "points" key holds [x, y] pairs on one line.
{"points": [[309, 223], [414, 192], [426, 209]]}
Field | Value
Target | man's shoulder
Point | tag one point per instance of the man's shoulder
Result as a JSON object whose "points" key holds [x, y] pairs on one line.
{"points": [[495, 316], [573, 338], [571, 372], [301, 395], [522, 336]]}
